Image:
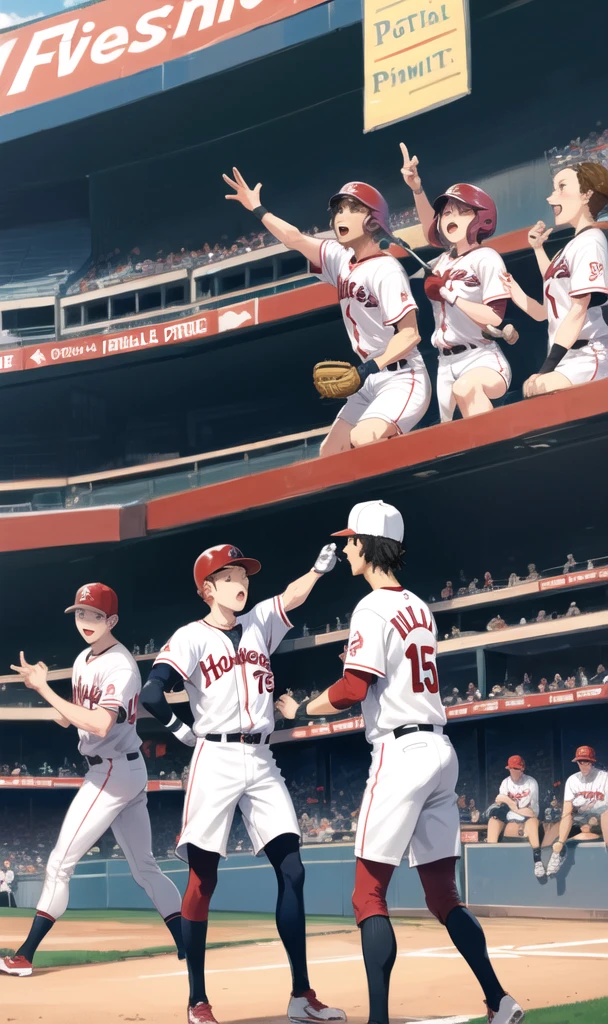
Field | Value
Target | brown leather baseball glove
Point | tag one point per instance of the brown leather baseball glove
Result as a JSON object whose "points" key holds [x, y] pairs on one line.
{"points": [[334, 379]]}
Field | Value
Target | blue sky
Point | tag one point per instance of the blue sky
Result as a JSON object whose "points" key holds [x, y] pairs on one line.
{"points": [[13, 12]]}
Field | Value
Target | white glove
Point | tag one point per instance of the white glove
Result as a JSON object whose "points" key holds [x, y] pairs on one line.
{"points": [[448, 295], [181, 731], [327, 559]]}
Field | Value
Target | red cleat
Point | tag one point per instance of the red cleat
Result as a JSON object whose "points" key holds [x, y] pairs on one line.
{"points": [[201, 1014]]}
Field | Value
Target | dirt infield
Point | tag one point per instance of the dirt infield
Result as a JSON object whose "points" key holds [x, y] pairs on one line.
{"points": [[543, 963]]}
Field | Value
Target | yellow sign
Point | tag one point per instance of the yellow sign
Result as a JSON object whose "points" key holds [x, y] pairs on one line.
{"points": [[416, 57]]}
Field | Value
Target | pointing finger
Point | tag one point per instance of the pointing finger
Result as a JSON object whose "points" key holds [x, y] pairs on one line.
{"points": [[405, 152]]}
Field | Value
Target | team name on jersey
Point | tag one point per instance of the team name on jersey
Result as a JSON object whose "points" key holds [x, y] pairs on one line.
{"points": [[519, 796], [592, 794], [86, 696], [214, 670], [559, 268], [414, 620], [471, 280], [351, 290]]}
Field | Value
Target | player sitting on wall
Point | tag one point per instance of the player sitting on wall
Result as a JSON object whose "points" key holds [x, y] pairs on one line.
{"points": [[378, 309], [467, 293], [585, 801], [105, 691], [517, 801], [223, 661], [575, 283], [410, 803]]}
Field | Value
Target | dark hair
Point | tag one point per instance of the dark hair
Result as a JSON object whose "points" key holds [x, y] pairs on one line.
{"points": [[382, 553], [351, 201]]}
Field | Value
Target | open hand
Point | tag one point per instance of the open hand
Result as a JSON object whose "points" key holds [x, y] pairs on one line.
{"points": [[529, 388], [247, 197], [287, 706], [409, 170], [538, 235], [34, 676]]}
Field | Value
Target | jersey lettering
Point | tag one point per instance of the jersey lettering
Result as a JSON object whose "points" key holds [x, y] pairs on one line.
{"points": [[422, 658], [86, 696], [405, 625], [132, 709], [265, 680], [213, 670]]}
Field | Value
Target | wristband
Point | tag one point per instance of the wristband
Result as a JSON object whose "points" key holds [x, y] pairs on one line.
{"points": [[418, 191], [302, 712], [178, 728], [365, 370], [259, 212], [556, 354]]}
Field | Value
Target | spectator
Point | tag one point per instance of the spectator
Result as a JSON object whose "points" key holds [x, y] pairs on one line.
{"points": [[518, 801], [496, 623], [573, 610], [581, 677], [599, 676], [532, 573], [513, 580], [570, 564], [488, 582], [542, 616], [543, 686], [448, 591], [473, 692], [473, 812]]}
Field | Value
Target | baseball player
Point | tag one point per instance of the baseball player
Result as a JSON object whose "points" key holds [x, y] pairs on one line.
{"points": [[518, 801], [7, 878], [105, 691], [467, 294], [410, 804], [378, 309], [585, 798], [223, 661], [575, 283]]}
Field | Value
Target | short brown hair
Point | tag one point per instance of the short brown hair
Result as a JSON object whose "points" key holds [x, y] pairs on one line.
{"points": [[593, 177]]}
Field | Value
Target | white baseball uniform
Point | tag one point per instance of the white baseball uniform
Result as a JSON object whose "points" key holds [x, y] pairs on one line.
{"points": [[588, 794], [113, 794], [523, 793], [231, 691], [374, 296], [579, 268], [410, 804], [475, 276]]}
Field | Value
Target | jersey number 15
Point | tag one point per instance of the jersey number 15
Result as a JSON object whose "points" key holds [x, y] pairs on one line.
{"points": [[422, 660]]}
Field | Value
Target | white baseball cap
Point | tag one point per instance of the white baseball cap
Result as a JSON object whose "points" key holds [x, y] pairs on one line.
{"points": [[374, 519]]}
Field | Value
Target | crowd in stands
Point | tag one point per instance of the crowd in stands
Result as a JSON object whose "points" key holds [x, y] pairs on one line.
{"points": [[468, 586], [594, 148], [527, 684], [116, 267]]}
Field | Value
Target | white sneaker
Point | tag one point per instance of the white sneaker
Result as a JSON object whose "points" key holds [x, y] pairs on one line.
{"points": [[509, 1012], [308, 1007], [539, 869], [555, 862], [15, 965]]}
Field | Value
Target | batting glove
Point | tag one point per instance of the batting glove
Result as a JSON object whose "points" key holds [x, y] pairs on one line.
{"points": [[327, 560], [448, 295]]}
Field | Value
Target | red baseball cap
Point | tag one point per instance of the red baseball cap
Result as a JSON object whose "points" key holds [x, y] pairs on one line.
{"points": [[584, 754], [214, 559], [515, 761], [97, 596]]}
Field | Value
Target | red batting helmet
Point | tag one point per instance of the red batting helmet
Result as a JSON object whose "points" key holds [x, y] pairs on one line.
{"points": [[370, 197], [483, 224], [585, 754], [214, 559]]}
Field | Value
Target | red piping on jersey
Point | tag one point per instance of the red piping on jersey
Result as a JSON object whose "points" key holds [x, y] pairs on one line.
{"points": [[354, 262], [281, 611], [162, 660], [398, 589], [597, 366], [356, 331], [189, 793], [371, 797], [395, 319], [244, 674], [105, 782]]}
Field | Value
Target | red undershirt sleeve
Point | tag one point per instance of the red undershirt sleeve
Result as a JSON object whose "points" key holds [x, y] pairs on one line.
{"points": [[499, 306], [350, 689]]}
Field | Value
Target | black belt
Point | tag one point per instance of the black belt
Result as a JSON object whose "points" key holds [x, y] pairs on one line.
{"points": [[98, 760], [401, 364], [404, 729], [456, 350], [237, 737]]}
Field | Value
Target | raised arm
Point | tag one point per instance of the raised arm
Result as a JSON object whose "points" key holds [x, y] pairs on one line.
{"points": [[286, 233], [530, 306], [298, 591], [411, 177], [537, 236], [98, 721]]}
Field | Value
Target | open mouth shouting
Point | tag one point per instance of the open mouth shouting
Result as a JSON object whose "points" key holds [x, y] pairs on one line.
{"points": [[342, 230], [451, 227], [88, 632], [241, 595], [557, 210]]}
